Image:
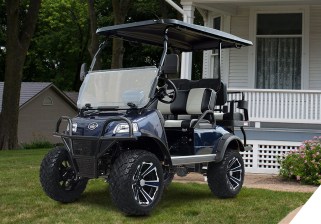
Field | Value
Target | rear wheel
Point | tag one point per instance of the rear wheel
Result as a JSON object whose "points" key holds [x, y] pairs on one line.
{"points": [[168, 178], [58, 178], [225, 179], [136, 182]]}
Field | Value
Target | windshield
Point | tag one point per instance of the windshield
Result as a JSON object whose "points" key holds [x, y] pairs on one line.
{"points": [[123, 88]]}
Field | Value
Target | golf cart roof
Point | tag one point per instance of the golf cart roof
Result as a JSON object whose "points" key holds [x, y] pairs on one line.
{"points": [[181, 36]]}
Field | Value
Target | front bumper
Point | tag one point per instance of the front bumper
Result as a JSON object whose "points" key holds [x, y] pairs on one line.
{"points": [[85, 151]]}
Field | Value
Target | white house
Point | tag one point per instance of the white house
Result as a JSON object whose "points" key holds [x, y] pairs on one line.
{"points": [[280, 74]]}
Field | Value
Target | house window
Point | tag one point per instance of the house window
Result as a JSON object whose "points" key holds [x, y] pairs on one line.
{"points": [[215, 56], [279, 51]]}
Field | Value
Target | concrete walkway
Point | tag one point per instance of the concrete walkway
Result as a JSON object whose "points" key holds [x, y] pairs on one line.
{"points": [[262, 181], [310, 212]]}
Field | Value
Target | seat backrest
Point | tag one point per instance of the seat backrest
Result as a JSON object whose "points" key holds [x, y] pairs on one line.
{"points": [[177, 107], [193, 102], [218, 87], [182, 84], [215, 84], [199, 100]]}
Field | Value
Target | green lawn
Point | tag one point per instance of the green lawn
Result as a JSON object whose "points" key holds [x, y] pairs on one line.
{"points": [[23, 201]]}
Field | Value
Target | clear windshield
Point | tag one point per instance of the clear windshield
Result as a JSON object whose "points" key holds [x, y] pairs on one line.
{"points": [[121, 89]]}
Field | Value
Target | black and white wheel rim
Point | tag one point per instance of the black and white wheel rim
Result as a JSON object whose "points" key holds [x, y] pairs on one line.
{"points": [[145, 183], [234, 173], [67, 176]]}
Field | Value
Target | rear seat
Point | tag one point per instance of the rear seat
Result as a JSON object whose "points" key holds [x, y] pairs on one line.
{"points": [[189, 102], [221, 112]]}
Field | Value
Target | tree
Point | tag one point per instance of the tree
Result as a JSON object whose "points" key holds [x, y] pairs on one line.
{"points": [[120, 10], [2, 38], [94, 41], [17, 43], [60, 43]]}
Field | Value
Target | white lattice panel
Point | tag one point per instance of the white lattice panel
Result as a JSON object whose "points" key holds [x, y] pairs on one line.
{"points": [[263, 157], [248, 158]]}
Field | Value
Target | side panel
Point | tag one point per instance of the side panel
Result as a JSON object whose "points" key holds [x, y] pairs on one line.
{"points": [[206, 140], [180, 142]]}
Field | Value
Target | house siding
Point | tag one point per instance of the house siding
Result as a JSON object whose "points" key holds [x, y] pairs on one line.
{"points": [[315, 48], [238, 75], [38, 121]]}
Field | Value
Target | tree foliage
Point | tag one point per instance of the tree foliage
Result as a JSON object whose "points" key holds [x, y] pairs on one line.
{"points": [[60, 43], [65, 38]]}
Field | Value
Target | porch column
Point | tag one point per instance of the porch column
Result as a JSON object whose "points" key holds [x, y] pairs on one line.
{"points": [[186, 65]]}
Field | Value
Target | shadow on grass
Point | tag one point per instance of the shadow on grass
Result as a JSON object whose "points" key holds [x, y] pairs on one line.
{"points": [[175, 196], [98, 197]]}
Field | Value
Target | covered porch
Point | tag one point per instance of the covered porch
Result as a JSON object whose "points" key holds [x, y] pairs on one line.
{"points": [[286, 36], [284, 98], [283, 120]]}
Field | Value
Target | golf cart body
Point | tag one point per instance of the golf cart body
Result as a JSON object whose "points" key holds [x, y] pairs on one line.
{"points": [[187, 125]]}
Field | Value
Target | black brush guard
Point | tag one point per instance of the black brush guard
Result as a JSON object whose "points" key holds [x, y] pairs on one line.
{"points": [[85, 151]]}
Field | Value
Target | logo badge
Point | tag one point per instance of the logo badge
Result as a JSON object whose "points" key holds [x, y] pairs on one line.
{"points": [[92, 126]]}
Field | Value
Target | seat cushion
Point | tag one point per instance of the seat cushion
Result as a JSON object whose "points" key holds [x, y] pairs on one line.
{"points": [[183, 123], [219, 116]]}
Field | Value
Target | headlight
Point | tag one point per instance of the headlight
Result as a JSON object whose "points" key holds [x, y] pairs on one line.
{"points": [[74, 127], [124, 128]]}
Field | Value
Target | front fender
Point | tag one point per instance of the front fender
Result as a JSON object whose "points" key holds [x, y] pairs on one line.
{"points": [[228, 141], [157, 146]]}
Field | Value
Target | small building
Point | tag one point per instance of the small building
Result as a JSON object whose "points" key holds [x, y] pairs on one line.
{"points": [[41, 105]]}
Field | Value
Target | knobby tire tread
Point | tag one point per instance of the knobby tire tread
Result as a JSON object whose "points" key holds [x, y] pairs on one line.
{"points": [[217, 178], [120, 183], [49, 178]]}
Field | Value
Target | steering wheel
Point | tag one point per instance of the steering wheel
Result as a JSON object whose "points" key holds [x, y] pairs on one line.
{"points": [[164, 94]]}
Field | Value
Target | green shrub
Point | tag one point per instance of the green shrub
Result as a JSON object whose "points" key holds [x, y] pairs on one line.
{"points": [[38, 144], [304, 163]]}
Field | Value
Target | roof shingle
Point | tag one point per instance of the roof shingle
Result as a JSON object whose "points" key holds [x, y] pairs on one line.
{"points": [[28, 91]]}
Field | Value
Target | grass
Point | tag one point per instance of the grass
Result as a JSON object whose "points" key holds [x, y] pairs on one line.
{"points": [[23, 201]]}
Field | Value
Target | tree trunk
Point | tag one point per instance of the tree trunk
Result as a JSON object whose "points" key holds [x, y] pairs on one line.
{"points": [[94, 42], [120, 10], [83, 38], [17, 44]]}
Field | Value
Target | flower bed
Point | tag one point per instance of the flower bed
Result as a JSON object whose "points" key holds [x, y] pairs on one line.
{"points": [[303, 164]]}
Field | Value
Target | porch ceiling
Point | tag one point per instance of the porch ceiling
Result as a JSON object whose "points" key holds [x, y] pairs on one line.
{"points": [[230, 6]]}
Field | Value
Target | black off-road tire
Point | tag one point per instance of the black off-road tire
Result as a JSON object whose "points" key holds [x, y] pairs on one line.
{"points": [[225, 179], [136, 182], [168, 178], [58, 179]]}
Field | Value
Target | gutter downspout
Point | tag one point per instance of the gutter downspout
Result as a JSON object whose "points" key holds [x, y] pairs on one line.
{"points": [[175, 6]]}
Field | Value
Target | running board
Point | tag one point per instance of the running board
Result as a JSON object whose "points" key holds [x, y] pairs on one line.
{"points": [[183, 160]]}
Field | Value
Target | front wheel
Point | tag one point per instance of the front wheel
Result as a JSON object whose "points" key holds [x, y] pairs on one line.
{"points": [[225, 179], [58, 178], [136, 182]]}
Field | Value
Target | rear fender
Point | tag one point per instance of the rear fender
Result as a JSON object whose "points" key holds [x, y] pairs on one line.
{"points": [[228, 141]]}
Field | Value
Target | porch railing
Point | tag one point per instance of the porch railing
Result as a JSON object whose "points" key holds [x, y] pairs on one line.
{"points": [[295, 106]]}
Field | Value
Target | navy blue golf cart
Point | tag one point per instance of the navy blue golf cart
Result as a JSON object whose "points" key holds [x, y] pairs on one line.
{"points": [[136, 128]]}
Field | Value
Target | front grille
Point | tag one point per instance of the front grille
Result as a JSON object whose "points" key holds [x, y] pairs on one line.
{"points": [[87, 166], [85, 147]]}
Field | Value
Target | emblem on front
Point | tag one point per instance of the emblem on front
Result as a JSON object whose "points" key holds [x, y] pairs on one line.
{"points": [[92, 126]]}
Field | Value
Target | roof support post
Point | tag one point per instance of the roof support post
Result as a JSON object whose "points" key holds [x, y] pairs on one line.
{"points": [[186, 65]]}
